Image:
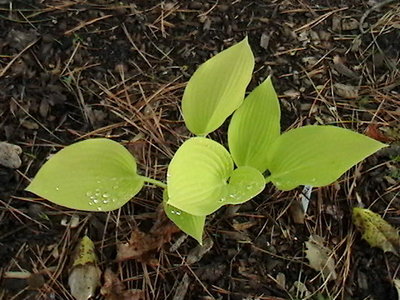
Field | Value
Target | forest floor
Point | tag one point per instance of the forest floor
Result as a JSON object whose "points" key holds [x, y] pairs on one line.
{"points": [[73, 70]]}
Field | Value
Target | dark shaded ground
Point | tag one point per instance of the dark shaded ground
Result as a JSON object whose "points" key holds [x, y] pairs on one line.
{"points": [[71, 70]]}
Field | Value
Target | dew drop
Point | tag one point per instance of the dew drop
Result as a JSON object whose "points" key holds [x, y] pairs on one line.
{"points": [[92, 197], [57, 188], [178, 213], [105, 195], [89, 194], [90, 203], [95, 200], [105, 201], [113, 200], [99, 208]]}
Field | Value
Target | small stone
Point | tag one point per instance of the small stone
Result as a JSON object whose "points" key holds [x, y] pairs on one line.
{"points": [[9, 155], [196, 5]]}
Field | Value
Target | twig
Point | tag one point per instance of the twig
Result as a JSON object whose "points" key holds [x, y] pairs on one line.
{"points": [[3, 72], [369, 11]]}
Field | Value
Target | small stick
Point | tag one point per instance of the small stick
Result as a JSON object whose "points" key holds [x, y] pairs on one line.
{"points": [[369, 11], [3, 72]]}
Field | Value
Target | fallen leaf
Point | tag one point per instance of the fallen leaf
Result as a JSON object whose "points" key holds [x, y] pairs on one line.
{"points": [[373, 132], [198, 252], [376, 231], [84, 276], [345, 91], [297, 212], [320, 257], [182, 288], [113, 289], [243, 226], [339, 66], [299, 290], [281, 280], [141, 245], [349, 24]]}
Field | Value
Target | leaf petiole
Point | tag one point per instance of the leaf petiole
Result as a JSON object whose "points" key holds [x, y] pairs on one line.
{"points": [[154, 181]]}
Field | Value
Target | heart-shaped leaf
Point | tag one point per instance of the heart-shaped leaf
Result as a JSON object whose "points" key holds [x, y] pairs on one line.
{"points": [[316, 155], [244, 184], [92, 175], [254, 127], [217, 88], [197, 176], [189, 224]]}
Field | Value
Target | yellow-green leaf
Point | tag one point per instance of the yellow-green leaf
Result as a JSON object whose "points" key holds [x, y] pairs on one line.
{"points": [[197, 176], [190, 224], [217, 88], [316, 155], [376, 231], [94, 175], [254, 126], [201, 178]]}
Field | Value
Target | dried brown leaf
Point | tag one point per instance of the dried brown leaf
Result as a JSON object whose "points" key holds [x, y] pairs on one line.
{"points": [[141, 245], [349, 24], [339, 66], [373, 132], [113, 289], [297, 213], [182, 288], [243, 226], [198, 252], [320, 257], [345, 91]]}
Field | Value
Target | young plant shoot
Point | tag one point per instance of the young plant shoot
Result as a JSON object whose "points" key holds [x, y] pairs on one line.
{"points": [[101, 175]]}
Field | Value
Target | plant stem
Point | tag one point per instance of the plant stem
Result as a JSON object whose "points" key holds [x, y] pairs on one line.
{"points": [[17, 275], [155, 182]]}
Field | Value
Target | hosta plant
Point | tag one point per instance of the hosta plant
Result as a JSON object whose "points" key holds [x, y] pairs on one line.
{"points": [[101, 175]]}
